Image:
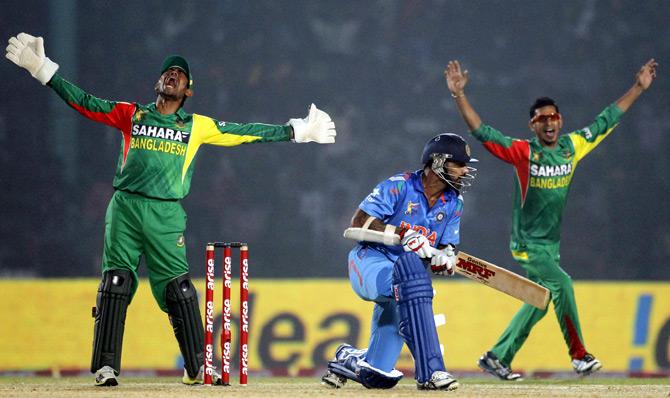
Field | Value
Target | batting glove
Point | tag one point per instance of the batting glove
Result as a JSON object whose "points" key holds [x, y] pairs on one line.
{"points": [[413, 241], [316, 127], [27, 52], [443, 261]]}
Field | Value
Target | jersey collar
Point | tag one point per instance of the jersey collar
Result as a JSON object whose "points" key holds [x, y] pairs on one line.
{"points": [[181, 113]]}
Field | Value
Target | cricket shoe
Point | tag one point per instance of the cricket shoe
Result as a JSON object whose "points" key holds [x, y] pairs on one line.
{"points": [[587, 365], [106, 377], [200, 377], [440, 380], [333, 380], [489, 362]]}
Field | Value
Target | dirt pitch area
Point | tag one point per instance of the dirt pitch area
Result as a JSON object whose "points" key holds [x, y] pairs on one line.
{"points": [[310, 387]]}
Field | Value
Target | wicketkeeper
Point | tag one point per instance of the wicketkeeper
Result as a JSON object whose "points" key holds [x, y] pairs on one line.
{"points": [[544, 167], [145, 217], [424, 207]]}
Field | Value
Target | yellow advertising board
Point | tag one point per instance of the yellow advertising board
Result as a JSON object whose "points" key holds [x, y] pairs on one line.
{"points": [[296, 325]]}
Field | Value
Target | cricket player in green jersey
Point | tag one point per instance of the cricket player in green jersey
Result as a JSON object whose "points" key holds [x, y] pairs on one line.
{"points": [[544, 167], [159, 142]]}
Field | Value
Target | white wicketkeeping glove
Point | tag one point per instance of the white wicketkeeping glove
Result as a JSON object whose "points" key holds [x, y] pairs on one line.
{"points": [[413, 241], [443, 261], [27, 52], [316, 127]]}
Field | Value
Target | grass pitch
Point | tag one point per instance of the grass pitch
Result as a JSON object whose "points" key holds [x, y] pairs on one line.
{"points": [[281, 387]]}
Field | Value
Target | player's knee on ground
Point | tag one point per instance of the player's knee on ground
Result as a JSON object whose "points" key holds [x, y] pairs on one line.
{"points": [[184, 312], [371, 377], [110, 317], [350, 363], [413, 291]]}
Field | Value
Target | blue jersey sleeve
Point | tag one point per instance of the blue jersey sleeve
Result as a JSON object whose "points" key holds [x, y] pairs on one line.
{"points": [[451, 232], [382, 202]]}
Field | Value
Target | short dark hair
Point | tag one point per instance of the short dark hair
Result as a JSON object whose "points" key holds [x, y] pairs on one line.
{"points": [[540, 102]]}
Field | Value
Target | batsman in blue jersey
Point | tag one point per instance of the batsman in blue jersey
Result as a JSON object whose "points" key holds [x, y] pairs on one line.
{"points": [[423, 208]]}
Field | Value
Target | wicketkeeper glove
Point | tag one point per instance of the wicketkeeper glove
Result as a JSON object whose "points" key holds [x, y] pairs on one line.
{"points": [[413, 241], [316, 127], [27, 52], [443, 261]]}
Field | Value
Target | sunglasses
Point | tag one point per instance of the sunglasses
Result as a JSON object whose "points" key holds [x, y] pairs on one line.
{"points": [[551, 117]]}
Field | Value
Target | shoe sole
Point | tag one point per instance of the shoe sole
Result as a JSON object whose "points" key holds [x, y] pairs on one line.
{"points": [[491, 371], [593, 369], [326, 381], [111, 382], [449, 387], [487, 369]]}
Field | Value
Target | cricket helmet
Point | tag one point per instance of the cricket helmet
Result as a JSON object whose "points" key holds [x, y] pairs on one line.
{"points": [[452, 145], [449, 147]]}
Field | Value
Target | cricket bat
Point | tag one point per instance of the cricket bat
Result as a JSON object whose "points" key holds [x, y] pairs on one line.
{"points": [[502, 280], [473, 268]]}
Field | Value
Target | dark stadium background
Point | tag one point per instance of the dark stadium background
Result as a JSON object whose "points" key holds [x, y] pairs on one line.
{"points": [[376, 67]]}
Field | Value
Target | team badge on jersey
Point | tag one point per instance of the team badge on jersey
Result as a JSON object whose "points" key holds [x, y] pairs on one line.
{"points": [[181, 241], [536, 157], [411, 208], [440, 216], [138, 115]]}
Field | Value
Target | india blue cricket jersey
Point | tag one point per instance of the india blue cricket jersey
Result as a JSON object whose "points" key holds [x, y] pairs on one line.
{"points": [[397, 201], [400, 201]]}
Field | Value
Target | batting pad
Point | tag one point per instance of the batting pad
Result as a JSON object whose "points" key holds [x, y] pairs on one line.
{"points": [[182, 302], [413, 291], [110, 319]]}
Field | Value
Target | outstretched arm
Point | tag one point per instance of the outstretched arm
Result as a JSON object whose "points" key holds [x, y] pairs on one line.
{"points": [[645, 76], [456, 81]]}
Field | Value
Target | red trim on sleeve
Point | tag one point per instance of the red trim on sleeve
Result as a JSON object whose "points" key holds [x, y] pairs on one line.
{"points": [[120, 117], [518, 154]]}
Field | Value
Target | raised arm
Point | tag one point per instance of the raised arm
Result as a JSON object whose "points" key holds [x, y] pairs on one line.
{"points": [[456, 81], [645, 76]]}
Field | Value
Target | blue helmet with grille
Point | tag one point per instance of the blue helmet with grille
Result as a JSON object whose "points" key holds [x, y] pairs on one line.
{"points": [[452, 145], [445, 148]]}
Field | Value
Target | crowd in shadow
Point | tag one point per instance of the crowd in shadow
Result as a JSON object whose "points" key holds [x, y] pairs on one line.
{"points": [[376, 67]]}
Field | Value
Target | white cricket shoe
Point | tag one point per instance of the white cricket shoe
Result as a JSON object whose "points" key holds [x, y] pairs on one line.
{"points": [[587, 365], [333, 380], [440, 380], [489, 362], [200, 378], [106, 377]]}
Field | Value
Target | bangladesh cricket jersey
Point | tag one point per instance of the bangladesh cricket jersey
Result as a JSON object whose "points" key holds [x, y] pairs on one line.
{"points": [[158, 151], [543, 175]]}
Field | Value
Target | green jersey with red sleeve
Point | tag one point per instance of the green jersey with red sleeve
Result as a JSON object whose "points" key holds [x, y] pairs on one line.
{"points": [[543, 175], [158, 151]]}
